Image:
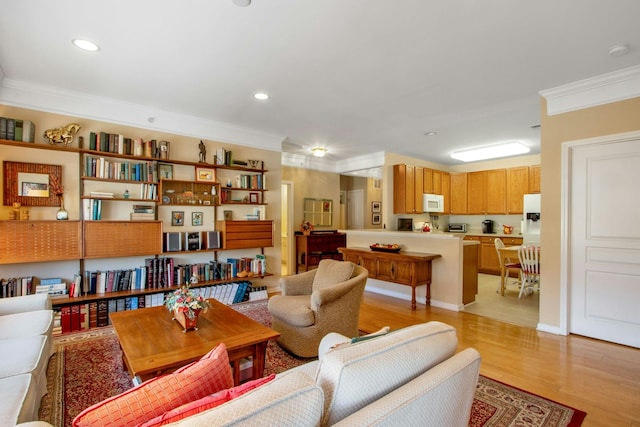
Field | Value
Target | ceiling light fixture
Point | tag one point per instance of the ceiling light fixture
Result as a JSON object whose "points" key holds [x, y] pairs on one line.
{"points": [[241, 3], [261, 96], [491, 152], [430, 133], [85, 45], [319, 151]]}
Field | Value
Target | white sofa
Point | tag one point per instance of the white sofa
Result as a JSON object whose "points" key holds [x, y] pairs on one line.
{"points": [[26, 326], [410, 377]]}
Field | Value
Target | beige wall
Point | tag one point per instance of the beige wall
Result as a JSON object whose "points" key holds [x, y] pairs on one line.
{"points": [[182, 148], [316, 185], [618, 117]]}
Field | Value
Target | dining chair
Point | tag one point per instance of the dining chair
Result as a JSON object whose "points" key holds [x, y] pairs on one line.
{"points": [[509, 265], [529, 269]]}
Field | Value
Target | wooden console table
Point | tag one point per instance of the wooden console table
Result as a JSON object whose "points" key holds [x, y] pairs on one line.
{"points": [[405, 268]]}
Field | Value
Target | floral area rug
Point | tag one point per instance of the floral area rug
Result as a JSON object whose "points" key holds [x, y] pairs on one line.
{"points": [[87, 368]]}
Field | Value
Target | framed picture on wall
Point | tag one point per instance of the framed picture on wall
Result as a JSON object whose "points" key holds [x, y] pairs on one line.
{"points": [[196, 218], [177, 218], [375, 207], [375, 219]]}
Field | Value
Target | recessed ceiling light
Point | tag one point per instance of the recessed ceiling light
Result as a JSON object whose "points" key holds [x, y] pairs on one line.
{"points": [[261, 96], [491, 152], [85, 45], [619, 50], [431, 133], [241, 3], [319, 151]]}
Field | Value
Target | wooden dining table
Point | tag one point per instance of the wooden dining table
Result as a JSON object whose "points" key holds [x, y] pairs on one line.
{"points": [[508, 254]]}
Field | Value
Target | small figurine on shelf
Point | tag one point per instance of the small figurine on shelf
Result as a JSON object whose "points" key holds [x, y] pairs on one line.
{"points": [[203, 152], [306, 227], [126, 193]]}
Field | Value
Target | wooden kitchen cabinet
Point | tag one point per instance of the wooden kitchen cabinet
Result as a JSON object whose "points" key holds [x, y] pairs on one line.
{"points": [[488, 261], [476, 193], [427, 181], [534, 178], [407, 189], [458, 204], [496, 191], [517, 187], [446, 191], [436, 181], [486, 192]]}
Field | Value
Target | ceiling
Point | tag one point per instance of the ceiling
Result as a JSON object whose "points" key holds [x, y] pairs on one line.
{"points": [[355, 76]]}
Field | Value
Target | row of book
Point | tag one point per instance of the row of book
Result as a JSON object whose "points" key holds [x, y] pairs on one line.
{"points": [[16, 286], [19, 286], [119, 144], [78, 317], [99, 167], [17, 130], [253, 182], [162, 272]]}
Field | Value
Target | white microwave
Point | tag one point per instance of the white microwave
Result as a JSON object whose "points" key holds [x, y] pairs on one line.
{"points": [[433, 203]]}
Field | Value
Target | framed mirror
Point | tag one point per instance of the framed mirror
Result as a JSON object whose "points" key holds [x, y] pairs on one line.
{"points": [[28, 183], [318, 212]]}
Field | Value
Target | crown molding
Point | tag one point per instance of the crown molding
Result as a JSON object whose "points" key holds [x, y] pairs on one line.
{"points": [[373, 161], [44, 98], [307, 162], [615, 86]]}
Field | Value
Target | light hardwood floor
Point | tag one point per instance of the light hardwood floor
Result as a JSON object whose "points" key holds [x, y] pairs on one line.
{"points": [[508, 308], [599, 378]]}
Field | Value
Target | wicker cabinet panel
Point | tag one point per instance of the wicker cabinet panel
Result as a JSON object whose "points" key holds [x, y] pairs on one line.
{"points": [[246, 234], [38, 241], [104, 239]]}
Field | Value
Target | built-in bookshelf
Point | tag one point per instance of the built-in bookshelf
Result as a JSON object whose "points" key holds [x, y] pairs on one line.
{"points": [[119, 176]]}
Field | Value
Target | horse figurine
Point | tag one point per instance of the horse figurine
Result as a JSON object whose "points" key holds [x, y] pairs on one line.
{"points": [[63, 135]]}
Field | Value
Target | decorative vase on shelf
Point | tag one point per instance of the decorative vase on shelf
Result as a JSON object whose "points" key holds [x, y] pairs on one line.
{"points": [[180, 314], [62, 213]]}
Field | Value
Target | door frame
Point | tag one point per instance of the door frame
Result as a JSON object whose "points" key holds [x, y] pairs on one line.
{"points": [[565, 215], [291, 257]]}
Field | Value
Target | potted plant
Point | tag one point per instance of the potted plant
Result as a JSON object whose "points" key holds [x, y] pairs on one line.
{"points": [[186, 305]]}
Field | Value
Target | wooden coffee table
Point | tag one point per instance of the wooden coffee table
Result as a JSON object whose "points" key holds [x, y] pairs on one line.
{"points": [[154, 344]]}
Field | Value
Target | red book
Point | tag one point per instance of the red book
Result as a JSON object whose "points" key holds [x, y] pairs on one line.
{"points": [[65, 319], [75, 317]]}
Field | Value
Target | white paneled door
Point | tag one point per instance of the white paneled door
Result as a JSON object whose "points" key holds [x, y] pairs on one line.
{"points": [[604, 239]]}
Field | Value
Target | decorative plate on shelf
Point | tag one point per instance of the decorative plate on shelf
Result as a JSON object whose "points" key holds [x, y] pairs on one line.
{"points": [[166, 199], [384, 247]]}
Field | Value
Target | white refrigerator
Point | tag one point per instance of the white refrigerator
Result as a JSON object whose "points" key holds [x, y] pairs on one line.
{"points": [[531, 219]]}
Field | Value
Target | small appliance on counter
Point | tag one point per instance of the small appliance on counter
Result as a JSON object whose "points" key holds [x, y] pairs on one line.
{"points": [[457, 228], [405, 224], [487, 226]]}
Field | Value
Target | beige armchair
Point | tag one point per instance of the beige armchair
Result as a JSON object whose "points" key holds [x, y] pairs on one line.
{"points": [[317, 302]]}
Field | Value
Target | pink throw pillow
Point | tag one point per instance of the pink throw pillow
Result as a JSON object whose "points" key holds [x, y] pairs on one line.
{"points": [[156, 396], [206, 403]]}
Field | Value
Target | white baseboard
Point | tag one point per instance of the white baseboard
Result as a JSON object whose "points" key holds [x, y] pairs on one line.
{"points": [[543, 327]]}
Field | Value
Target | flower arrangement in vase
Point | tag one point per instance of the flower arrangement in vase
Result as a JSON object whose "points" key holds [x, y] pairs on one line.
{"points": [[56, 188], [306, 227], [186, 305]]}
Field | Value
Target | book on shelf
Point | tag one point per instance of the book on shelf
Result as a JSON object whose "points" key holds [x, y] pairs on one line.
{"points": [[92, 209], [143, 209], [17, 133], [101, 194], [28, 131], [142, 216]]}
